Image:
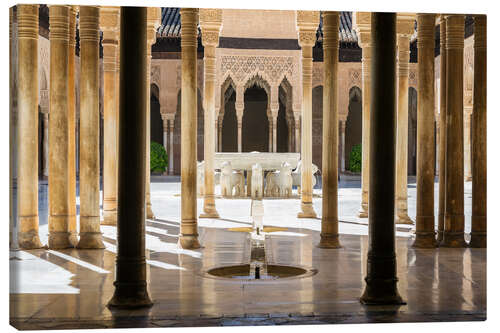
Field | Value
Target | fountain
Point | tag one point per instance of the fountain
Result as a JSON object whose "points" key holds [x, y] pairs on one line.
{"points": [[258, 269]]}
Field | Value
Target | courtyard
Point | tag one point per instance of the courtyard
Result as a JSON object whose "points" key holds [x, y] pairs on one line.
{"points": [[70, 288]]}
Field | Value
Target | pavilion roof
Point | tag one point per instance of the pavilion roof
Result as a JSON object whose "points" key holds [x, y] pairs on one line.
{"points": [[171, 25]]}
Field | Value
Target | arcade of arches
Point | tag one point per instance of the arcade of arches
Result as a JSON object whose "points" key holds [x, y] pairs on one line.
{"points": [[306, 90]]}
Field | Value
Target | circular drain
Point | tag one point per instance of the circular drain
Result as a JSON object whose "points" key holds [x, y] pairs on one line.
{"points": [[273, 272]]}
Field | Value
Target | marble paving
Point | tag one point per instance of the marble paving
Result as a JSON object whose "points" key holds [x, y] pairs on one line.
{"points": [[52, 289]]}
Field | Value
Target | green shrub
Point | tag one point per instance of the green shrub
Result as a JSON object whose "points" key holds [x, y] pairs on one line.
{"points": [[158, 161], [355, 158]]}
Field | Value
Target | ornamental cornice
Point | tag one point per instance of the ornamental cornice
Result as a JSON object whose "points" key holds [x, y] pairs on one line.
{"points": [[271, 68]]}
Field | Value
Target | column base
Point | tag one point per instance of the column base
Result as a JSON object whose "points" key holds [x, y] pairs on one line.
{"points": [[363, 211], [329, 242], [439, 237], [453, 239], [29, 240], [90, 240], [424, 240], [307, 211], [110, 217], [209, 210], [381, 292], [130, 296], [210, 214], [477, 239], [73, 238], [59, 240], [149, 212], [403, 219], [189, 242]]}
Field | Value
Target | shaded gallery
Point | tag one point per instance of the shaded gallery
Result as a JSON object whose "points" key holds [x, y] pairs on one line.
{"points": [[176, 167]]}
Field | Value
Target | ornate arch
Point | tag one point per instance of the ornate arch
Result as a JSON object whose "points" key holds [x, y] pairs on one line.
{"points": [[260, 82]]}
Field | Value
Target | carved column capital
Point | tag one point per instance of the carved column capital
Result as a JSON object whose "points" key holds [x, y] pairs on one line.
{"points": [[361, 23], [307, 24], [59, 23], [330, 30], [455, 32], [189, 31], [89, 24], [27, 21]]}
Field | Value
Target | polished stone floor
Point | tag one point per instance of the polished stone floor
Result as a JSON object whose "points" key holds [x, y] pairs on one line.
{"points": [[70, 288]]}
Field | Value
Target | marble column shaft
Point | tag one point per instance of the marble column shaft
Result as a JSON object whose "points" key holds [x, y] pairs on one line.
{"points": [[151, 40], [210, 38], [275, 134], [454, 223], [239, 119], [12, 129], [165, 133], [171, 147], [297, 135], [131, 274], [402, 131], [381, 278], [188, 237], [307, 24], [110, 90], [442, 128], [59, 236], [71, 127], [329, 217], [45, 143], [478, 232], [27, 132], [342, 145], [90, 233], [424, 234], [365, 136]]}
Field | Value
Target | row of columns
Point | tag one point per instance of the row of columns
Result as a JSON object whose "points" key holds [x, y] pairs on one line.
{"points": [[451, 219], [61, 128]]}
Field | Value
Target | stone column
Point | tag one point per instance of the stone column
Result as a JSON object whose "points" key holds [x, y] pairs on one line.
{"points": [[58, 129], [307, 24], [270, 131], [171, 146], [216, 129], [90, 233], [405, 28], [154, 15], [27, 135], [478, 232], [274, 113], [165, 132], [467, 143], [297, 133], [211, 24], [220, 134], [45, 143], [12, 128], [362, 27], [442, 127], [453, 235], [239, 116], [130, 275], [381, 278], [71, 128], [424, 234], [188, 238], [329, 217], [342, 145], [109, 21]]}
